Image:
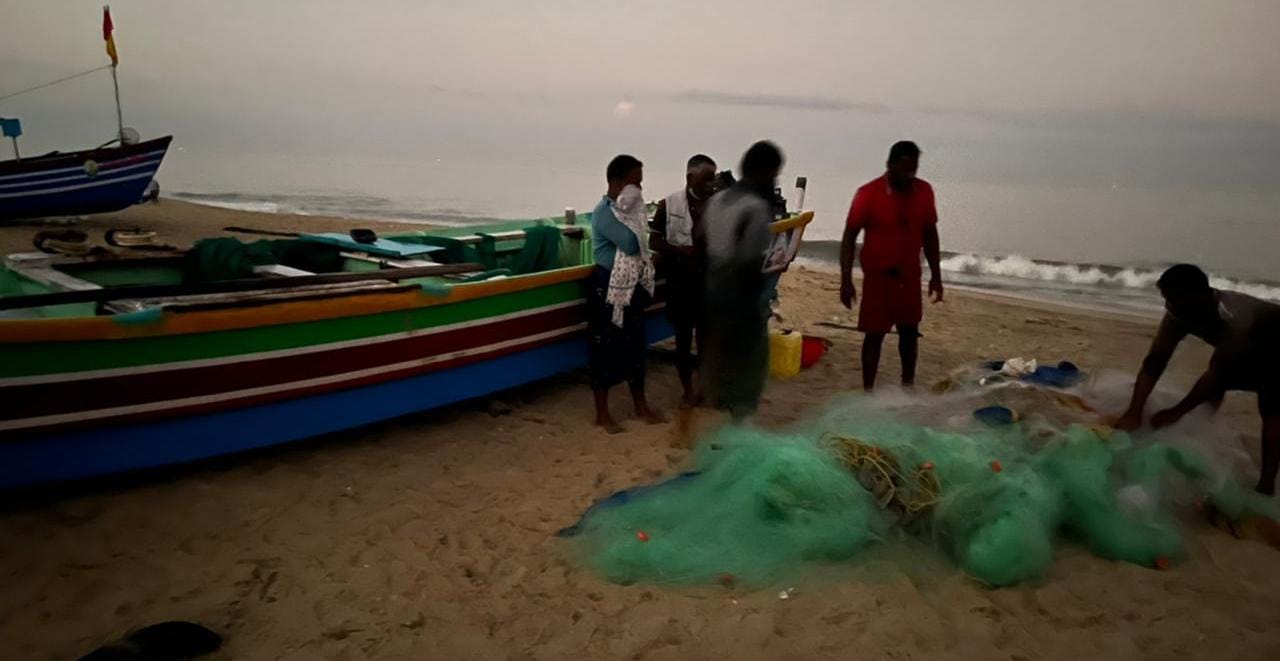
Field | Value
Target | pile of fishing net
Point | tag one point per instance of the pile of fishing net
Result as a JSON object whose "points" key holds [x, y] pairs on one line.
{"points": [[756, 507]]}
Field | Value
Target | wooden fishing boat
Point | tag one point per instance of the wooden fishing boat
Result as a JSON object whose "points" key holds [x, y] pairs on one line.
{"points": [[82, 182], [119, 361], [109, 178]]}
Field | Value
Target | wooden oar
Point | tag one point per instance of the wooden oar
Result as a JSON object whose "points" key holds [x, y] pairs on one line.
{"points": [[224, 286], [250, 230]]}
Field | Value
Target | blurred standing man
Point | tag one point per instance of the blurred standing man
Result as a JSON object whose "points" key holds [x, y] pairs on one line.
{"points": [[736, 306], [897, 212], [680, 237]]}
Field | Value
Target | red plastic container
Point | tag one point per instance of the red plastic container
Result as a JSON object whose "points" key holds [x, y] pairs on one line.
{"points": [[812, 348]]}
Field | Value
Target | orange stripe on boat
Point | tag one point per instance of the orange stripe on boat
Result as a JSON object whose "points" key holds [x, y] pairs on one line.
{"points": [[284, 312]]}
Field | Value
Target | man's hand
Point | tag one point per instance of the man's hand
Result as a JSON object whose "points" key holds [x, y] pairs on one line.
{"points": [[1166, 418], [848, 293], [1128, 421], [935, 288]]}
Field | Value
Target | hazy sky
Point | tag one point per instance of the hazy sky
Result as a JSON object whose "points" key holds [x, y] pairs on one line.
{"points": [[590, 76]]}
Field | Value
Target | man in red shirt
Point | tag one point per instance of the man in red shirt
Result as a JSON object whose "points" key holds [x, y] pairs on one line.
{"points": [[897, 212]]}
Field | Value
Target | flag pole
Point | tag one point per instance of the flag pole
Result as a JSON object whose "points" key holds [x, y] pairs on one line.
{"points": [[119, 115], [108, 30]]}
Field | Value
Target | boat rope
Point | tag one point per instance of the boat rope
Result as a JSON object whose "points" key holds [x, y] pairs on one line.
{"points": [[52, 83]]}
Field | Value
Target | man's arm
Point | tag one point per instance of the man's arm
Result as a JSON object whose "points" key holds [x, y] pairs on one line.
{"points": [[1165, 343], [618, 234], [848, 252], [658, 229], [1208, 388], [933, 255]]}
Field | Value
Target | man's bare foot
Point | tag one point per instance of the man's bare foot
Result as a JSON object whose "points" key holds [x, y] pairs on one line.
{"points": [[609, 425], [682, 438], [651, 416]]}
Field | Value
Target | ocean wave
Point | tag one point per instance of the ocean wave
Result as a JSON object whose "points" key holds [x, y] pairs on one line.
{"points": [[1017, 266], [1016, 270], [1091, 275]]}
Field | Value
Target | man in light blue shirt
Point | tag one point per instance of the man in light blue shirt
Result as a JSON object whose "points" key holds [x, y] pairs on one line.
{"points": [[608, 234], [616, 354]]}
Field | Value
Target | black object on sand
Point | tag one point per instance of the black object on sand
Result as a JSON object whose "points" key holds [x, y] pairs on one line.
{"points": [[167, 641]]}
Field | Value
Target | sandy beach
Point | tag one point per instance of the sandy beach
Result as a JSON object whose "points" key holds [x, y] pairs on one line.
{"points": [[432, 537]]}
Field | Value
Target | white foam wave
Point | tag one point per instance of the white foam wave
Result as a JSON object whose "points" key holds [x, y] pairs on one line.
{"points": [[258, 207], [1017, 266], [1251, 288]]}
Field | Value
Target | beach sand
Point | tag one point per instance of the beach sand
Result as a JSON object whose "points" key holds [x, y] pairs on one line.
{"points": [[431, 537]]}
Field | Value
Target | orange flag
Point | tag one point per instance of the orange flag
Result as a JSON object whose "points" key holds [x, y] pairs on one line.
{"points": [[107, 29]]}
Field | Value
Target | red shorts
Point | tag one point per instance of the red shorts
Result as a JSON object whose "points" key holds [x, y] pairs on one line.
{"points": [[889, 301]]}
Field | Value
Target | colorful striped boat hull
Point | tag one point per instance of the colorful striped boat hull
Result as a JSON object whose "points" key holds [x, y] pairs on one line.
{"points": [[72, 455], [76, 183], [88, 396]]}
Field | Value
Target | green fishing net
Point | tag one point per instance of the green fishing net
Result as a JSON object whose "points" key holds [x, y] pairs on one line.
{"points": [[758, 507], [754, 505]]}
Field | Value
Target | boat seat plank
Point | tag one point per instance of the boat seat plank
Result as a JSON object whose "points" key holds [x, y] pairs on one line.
{"points": [[385, 262], [571, 232], [279, 271], [383, 247], [54, 278]]}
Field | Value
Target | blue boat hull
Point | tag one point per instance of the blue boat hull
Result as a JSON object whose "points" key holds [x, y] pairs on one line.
{"points": [[83, 454], [93, 181]]}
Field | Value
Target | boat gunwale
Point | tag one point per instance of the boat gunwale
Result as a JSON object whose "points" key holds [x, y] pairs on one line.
{"points": [[184, 322]]}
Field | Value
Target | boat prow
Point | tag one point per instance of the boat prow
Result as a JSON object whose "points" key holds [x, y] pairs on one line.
{"points": [[82, 182]]}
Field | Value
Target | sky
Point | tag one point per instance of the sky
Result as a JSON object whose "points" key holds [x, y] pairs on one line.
{"points": [[1162, 92]]}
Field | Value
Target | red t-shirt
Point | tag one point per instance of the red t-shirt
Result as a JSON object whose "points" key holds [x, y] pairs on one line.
{"points": [[894, 225]]}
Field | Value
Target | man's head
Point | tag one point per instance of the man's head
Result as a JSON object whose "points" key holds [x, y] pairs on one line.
{"points": [[904, 160], [761, 165], [1187, 294], [700, 176], [725, 180], [624, 169]]}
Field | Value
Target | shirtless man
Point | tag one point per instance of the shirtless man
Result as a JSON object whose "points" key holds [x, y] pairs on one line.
{"points": [[1245, 335]]}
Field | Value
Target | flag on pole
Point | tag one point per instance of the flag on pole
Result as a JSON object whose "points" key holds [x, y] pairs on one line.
{"points": [[107, 29]]}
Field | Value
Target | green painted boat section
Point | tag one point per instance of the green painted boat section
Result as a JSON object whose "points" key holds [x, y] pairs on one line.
{"points": [[13, 284], [56, 357], [38, 358], [107, 276]]}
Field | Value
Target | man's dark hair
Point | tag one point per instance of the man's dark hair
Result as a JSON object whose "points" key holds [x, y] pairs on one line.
{"points": [[621, 166], [699, 160], [762, 158], [903, 149], [1184, 278]]}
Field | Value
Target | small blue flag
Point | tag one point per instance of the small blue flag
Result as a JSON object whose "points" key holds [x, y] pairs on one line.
{"points": [[11, 128]]}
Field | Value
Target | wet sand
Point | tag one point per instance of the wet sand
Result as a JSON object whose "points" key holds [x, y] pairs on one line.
{"points": [[431, 537]]}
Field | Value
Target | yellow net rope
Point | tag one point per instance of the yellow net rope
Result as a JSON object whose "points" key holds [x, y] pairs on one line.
{"points": [[911, 493]]}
